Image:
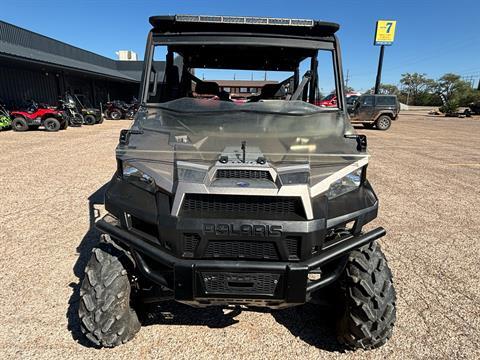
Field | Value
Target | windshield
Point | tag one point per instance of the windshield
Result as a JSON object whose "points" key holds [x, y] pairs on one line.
{"points": [[202, 99], [276, 127], [241, 73]]}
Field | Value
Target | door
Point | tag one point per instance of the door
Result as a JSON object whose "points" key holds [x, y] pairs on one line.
{"points": [[365, 108]]}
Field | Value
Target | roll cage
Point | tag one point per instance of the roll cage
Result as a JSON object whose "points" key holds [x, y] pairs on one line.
{"points": [[238, 43]]}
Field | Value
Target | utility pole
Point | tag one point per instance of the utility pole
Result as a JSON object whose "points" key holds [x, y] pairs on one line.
{"points": [[379, 71], [347, 78]]}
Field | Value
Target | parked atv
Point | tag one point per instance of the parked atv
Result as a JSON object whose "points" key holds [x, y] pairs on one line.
{"points": [[118, 109], [68, 106], [91, 116], [5, 119], [219, 203], [36, 116]]}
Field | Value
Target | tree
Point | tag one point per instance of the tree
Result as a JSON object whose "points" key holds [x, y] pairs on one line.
{"points": [[450, 85], [386, 89], [416, 86], [349, 89]]}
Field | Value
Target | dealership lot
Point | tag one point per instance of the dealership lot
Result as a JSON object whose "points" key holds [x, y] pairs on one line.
{"points": [[424, 169]]}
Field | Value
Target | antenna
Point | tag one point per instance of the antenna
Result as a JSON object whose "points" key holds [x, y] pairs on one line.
{"points": [[244, 149]]}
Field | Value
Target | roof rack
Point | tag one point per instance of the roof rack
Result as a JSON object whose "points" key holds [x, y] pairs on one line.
{"points": [[244, 20], [305, 28]]}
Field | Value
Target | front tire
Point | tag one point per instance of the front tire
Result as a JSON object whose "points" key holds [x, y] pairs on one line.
{"points": [[89, 120], [115, 114], [19, 124], [369, 310], [383, 122], [51, 124], [107, 318]]}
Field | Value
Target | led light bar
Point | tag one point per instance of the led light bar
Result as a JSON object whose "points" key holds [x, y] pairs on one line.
{"points": [[244, 20]]}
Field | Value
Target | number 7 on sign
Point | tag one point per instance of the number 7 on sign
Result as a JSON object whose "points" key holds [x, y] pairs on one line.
{"points": [[389, 27]]}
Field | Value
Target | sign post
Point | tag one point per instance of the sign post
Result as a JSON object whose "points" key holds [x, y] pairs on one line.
{"points": [[384, 36]]}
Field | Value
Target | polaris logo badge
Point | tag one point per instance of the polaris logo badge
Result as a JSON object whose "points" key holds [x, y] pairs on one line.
{"points": [[243, 184], [264, 231]]}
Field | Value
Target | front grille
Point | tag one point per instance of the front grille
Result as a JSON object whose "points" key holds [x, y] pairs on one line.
{"points": [[190, 243], [238, 206], [292, 247], [238, 249], [243, 174], [240, 283]]}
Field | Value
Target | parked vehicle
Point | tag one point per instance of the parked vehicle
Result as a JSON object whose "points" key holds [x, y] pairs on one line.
{"points": [[91, 115], [375, 111], [68, 105], [5, 119], [259, 204], [331, 99], [474, 108], [36, 116], [118, 109]]}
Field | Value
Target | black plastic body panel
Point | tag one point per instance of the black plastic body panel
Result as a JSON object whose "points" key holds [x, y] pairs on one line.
{"points": [[144, 223]]}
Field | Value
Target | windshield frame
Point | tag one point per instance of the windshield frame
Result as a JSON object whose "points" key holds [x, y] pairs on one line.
{"points": [[329, 43]]}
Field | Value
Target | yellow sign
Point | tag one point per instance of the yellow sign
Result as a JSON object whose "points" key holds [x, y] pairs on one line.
{"points": [[385, 33]]}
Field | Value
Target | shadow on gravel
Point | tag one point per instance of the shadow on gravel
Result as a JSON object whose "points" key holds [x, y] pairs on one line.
{"points": [[174, 313], [90, 239], [313, 324]]}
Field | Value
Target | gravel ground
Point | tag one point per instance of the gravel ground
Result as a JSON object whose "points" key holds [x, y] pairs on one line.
{"points": [[424, 169]]}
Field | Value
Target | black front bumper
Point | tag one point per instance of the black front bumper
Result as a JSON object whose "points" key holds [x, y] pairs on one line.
{"points": [[255, 283]]}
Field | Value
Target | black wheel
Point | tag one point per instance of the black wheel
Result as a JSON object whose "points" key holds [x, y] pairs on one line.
{"points": [[64, 125], [107, 319], [19, 124], [369, 310], [51, 124], [383, 122], [89, 120], [368, 126], [115, 114], [130, 114]]}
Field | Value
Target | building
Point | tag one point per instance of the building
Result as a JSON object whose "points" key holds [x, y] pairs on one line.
{"points": [[33, 66], [243, 88], [127, 55]]}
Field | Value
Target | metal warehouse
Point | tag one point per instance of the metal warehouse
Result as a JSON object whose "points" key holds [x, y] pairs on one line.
{"points": [[33, 66]]}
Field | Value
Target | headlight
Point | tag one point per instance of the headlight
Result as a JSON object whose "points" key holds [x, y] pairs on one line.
{"points": [[136, 177], [346, 184], [295, 178], [295, 174], [191, 172]]}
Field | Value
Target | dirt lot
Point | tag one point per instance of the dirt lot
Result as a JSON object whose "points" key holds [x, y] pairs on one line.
{"points": [[425, 170]]}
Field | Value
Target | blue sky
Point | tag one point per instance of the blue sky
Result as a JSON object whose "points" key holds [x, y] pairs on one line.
{"points": [[433, 37]]}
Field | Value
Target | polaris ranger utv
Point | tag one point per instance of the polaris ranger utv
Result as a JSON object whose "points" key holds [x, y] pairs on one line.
{"points": [[259, 203]]}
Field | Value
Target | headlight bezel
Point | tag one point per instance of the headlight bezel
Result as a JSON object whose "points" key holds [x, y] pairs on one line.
{"points": [[133, 175], [294, 175], [346, 184]]}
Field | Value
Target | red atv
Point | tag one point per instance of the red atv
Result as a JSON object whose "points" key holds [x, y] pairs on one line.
{"points": [[38, 115]]}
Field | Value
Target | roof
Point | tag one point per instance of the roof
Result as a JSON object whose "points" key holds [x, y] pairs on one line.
{"points": [[47, 58], [243, 24], [20, 43]]}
